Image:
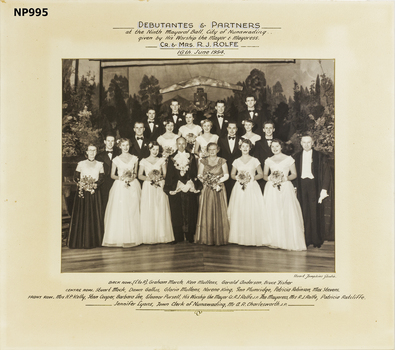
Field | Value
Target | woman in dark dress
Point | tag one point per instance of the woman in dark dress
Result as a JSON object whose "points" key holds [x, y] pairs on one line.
{"points": [[87, 226], [212, 224]]}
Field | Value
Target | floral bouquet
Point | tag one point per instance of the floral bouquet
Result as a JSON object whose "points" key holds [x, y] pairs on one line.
{"points": [[190, 138], [277, 177], [155, 177], [243, 178], [211, 181], [181, 163], [127, 177], [167, 151], [86, 183]]}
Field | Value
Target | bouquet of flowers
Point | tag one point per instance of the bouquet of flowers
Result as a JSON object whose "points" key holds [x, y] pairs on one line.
{"points": [[211, 181], [190, 138], [86, 183], [243, 178], [127, 177], [167, 151], [181, 163], [277, 177], [155, 177]]}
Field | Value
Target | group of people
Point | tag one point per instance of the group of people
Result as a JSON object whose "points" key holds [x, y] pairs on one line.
{"points": [[223, 181]]}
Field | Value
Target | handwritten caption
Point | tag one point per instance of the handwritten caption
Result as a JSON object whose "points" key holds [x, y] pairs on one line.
{"points": [[189, 39], [179, 294]]}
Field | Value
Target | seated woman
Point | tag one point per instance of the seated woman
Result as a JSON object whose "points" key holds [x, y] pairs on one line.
{"points": [[282, 212], [155, 218], [190, 131], [212, 224], [245, 209], [248, 125], [168, 139], [86, 227], [122, 217], [203, 140]]}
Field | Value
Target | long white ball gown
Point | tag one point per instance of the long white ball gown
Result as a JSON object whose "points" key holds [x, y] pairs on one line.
{"points": [[122, 216], [155, 210], [245, 209], [282, 212]]}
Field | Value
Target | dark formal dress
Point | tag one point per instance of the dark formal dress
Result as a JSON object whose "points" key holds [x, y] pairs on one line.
{"points": [[256, 116], [86, 227], [230, 155], [308, 194], [282, 213], [183, 205], [153, 130], [108, 181], [217, 129], [262, 151], [212, 224]]}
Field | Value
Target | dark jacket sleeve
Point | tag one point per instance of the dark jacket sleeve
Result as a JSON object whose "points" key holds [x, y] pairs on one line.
{"points": [[170, 181]]}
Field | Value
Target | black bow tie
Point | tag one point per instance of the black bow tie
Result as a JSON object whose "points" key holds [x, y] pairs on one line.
{"points": [[232, 137], [175, 113], [150, 122], [109, 151], [140, 138], [220, 115]]}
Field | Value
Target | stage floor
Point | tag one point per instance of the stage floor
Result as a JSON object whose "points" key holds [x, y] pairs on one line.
{"points": [[188, 257]]}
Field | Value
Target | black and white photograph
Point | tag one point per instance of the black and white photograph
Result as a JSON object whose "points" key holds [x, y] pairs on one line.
{"points": [[198, 165], [181, 175]]}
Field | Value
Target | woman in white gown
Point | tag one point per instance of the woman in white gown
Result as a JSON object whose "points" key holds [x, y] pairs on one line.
{"points": [[203, 140], [282, 212], [246, 202], [168, 140], [248, 125], [122, 216], [155, 219], [190, 131]]}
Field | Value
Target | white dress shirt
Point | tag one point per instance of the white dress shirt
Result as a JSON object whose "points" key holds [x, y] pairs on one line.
{"points": [[307, 159], [232, 143]]}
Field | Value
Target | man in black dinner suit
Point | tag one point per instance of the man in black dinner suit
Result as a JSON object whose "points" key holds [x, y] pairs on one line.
{"points": [[181, 186], [138, 143], [262, 149], [106, 158], [176, 115], [220, 122], [152, 128], [229, 149], [253, 114], [313, 183]]}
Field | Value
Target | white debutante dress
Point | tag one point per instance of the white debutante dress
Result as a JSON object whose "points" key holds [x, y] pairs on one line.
{"points": [[185, 130], [282, 212], [122, 217], [203, 143], [166, 143], [155, 221], [253, 139], [245, 209]]}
